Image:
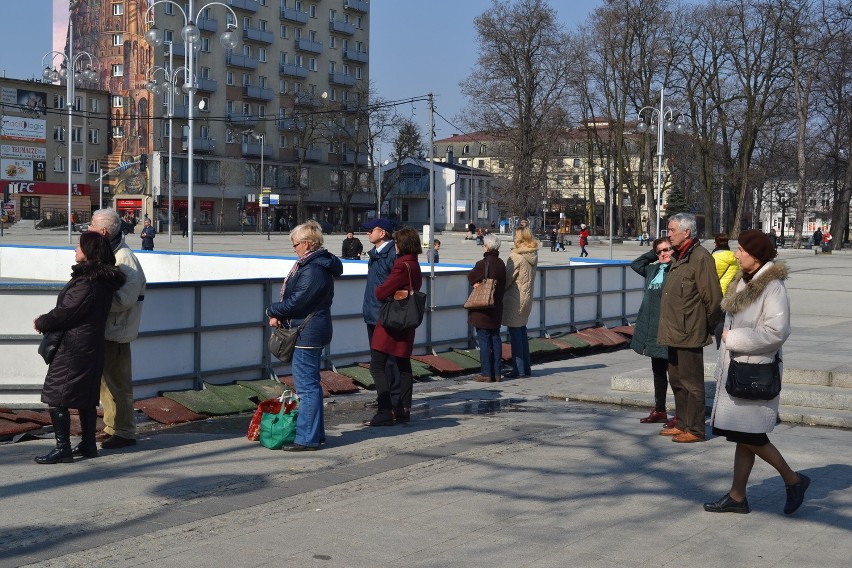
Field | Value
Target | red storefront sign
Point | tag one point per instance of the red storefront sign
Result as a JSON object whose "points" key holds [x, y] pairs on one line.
{"points": [[45, 188], [206, 206], [128, 204], [177, 204]]}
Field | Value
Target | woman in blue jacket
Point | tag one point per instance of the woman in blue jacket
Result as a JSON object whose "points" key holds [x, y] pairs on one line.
{"points": [[308, 290]]}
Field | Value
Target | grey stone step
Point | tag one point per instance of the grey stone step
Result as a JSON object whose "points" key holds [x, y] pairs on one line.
{"points": [[639, 380]]}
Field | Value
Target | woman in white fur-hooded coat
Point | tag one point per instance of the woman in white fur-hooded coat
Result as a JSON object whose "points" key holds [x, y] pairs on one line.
{"points": [[757, 323]]}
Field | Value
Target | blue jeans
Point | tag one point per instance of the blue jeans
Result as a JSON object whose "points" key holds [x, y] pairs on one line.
{"points": [[490, 351], [520, 350], [310, 426]]}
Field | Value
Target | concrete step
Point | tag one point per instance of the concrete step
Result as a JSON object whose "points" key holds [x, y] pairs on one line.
{"points": [[802, 402]]}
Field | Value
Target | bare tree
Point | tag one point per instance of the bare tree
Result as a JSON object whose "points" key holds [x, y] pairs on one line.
{"points": [[230, 172], [518, 92]]}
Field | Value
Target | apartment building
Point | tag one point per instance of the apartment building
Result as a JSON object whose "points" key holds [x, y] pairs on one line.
{"points": [[34, 141], [275, 118]]}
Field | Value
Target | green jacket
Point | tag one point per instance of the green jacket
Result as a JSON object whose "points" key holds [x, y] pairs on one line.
{"points": [[689, 310], [644, 340]]}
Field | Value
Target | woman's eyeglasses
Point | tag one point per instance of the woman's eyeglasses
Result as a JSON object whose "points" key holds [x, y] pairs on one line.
{"points": [[661, 251]]}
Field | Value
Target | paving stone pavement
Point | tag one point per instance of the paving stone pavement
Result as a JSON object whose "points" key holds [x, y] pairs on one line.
{"points": [[504, 474]]}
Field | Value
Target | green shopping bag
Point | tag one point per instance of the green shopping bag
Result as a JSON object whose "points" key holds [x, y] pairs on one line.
{"points": [[278, 429]]}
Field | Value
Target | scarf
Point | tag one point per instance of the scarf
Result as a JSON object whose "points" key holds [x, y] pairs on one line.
{"points": [[295, 268], [657, 281]]}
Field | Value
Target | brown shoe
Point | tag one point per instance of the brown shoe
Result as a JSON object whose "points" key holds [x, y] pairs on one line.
{"points": [[102, 436], [687, 438], [483, 379], [671, 432], [655, 417]]}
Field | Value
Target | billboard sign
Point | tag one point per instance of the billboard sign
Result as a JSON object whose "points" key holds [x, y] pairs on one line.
{"points": [[34, 102], [20, 170], [25, 152], [25, 129]]}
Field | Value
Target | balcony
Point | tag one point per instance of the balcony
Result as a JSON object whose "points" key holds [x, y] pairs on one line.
{"points": [[356, 6], [245, 5], [349, 158], [241, 119], [199, 145], [258, 93], [341, 27], [252, 150], [180, 111], [288, 70], [178, 50], [241, 61], [295, 16], [357, 56], [290, 124], [207, 85], [307, 100], [309, 46], [259, 36], [207, 25], [311, 154], [341, 79]]}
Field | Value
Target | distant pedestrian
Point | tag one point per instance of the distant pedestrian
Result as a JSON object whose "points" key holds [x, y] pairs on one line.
{"points": [[352, 247], [148, 233], [432, 255], [184, 225], [584, 240], [553, 236]]}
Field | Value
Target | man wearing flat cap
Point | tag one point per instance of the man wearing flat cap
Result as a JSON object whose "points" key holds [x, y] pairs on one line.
{"points": [[689, 312]]}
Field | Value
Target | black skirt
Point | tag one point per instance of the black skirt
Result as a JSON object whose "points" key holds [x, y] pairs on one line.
{"points": [[749, 438]]}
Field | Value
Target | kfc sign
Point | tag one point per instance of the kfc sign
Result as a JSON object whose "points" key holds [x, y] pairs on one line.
{"points": [[42, 188]]}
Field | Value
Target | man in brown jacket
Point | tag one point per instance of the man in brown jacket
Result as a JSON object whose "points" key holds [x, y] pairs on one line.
{"points": [[689, 311]]}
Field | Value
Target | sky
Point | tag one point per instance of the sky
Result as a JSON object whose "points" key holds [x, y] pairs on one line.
{"points": [[416, 47]]}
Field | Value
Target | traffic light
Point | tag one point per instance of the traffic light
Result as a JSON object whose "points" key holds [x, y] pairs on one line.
{"points": [[143, 162]]}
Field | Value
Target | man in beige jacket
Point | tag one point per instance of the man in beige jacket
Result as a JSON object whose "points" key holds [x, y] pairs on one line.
{"points": [[122, 328]]}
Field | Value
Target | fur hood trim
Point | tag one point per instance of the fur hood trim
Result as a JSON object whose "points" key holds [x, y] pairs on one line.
{"points": [[110, 274], [737, 300]]}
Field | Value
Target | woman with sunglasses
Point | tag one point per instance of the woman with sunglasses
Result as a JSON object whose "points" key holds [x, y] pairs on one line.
{"points": [[653, 265]]}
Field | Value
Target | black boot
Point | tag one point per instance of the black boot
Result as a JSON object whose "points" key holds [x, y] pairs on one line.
{"points": [[88, 446], [61, 419]]}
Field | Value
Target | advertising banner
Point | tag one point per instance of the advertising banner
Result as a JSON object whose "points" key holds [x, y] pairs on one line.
{"points": [[25, 152], [42, 188], [25, 129], [28, 101], [21, 170]]}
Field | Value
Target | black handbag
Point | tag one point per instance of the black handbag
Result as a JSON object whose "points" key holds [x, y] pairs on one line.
{"points": [[49, 345], [405, 310], [282, 341], [754, 381]]}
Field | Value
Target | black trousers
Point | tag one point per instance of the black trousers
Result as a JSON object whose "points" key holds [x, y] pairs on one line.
{"points": [[393, 378], [660, 368]]}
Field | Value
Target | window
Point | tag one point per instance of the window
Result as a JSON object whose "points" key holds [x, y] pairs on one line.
{"points": [[282, 57], [312, 64], [282, 86], [168, 35], [282, 141], [205, 44], [247, 50], [481, 164], [77, 165], [483, 149], [205, 72], [167, 132], [261, 54], [575, 180], [118, 39], [246, 23], [118, 132], [169, 9], [229, 107], [359, 46], [261, 111], [332, 67], [76, 134], [466, 149], [94, 166], [229, 78], [117, 101], [58, 164], [246, 80], [229, 137], [117, 9], [261, 82], [118, 70], [357, 72], [247, 109], [58, 101], [358, 21], [576, 162], [345, 45], [204, 132], [206, 106], [332, 42], [94, 105], [299, 60], [312, 10], [283, 31], [94, 136], [332, 15], [332, 95], [58, 133], [78, 103]]}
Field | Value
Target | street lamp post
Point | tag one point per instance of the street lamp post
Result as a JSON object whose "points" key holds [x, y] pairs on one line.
{"points": [[69, 70], [191, 37], [169, 90], [260, 136], [663, 119]]}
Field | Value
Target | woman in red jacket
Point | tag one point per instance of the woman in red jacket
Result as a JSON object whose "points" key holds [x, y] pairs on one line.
{"points": [[394, 391]]}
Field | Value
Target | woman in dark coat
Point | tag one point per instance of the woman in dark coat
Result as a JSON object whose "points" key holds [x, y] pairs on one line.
{"points": [[74, 377], [394, 391], [487, 320], [653, 265], [308, 290]]}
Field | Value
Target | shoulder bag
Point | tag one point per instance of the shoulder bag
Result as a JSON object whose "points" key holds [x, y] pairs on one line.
{"points": [[49, 345], [754, 381], [405, 310], [282, 342], [482, 296]]}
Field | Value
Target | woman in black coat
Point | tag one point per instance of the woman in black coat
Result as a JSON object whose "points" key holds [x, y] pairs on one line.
{"points": [[74, 376], [653, 266], [487, 321]]}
